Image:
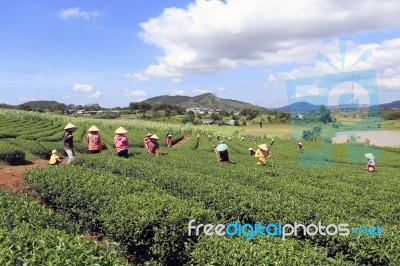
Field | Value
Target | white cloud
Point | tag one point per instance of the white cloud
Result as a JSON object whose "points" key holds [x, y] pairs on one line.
{"points": [[66, 97], [78, 13], [94, 95], [307, 90], [390, 83], [355, 94], [201, 91], [356, 91], [177, 92], [176, 80], [160, 70], [28, 99], [385, 61], [86, 88], [133, 93], [221, 89], [89, 89], [210, 36]]}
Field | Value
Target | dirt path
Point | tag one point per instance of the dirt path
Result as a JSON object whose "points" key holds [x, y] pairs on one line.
{"points": [[181, 142], [11, 176]]}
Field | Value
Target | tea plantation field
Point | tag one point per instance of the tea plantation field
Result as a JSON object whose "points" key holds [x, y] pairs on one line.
{"points": [[143, 204]]}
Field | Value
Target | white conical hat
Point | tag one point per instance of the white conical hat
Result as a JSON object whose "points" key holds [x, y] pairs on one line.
{"points": [[93, 128], [369, 156], [250, 149], [154, 136], [121, 130], [69, 125], [263, 147], [54, 151]]}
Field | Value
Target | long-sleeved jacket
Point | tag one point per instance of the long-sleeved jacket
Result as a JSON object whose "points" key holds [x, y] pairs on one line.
{"points": [[121, 142], [262, 156], [94, 142]]}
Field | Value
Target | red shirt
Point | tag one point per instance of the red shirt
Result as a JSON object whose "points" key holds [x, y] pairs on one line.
{"points": [[121, 142], [94, 142], [147, 141]]}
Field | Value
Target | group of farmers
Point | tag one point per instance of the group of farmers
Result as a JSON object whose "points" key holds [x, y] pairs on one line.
{"points": [[263, 152], [95, 144], [121, 143]]}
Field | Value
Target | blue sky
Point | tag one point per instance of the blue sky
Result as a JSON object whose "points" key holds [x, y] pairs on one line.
{"points": [[116, 52]]}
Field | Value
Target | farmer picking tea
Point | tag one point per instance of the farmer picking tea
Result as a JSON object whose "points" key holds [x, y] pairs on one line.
{"points": [[299, 146], [370, 167], [94, 140], [154, 147], [222, 152], [69, 141], [121, 142], [251, 151], [169, 140], [54, 158], [262, 154], [146, 142]]}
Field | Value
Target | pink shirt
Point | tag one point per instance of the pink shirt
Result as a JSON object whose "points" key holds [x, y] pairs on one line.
{"points": [[121, 142], [94, 142], [371, 166]]}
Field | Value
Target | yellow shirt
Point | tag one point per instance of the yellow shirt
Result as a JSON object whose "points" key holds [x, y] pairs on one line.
{"points": [[54, 159], [261, 155]]}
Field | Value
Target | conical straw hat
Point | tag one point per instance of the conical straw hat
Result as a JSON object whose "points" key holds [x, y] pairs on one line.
{"points": [[121, 130], [69, 125], [250, 149], [154, 136], [263, 147], [148, 135], [369, 156], [93, 128]]}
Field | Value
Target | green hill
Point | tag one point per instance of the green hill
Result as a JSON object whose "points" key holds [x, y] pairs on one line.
{"points": [[41, 106], [206, 101]]}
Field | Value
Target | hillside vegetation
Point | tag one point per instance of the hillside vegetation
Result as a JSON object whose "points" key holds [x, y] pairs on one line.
{"points": [[144, 203]]}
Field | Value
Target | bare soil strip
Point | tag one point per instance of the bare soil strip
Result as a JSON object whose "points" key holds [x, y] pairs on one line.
{"points": [[11, 176], [181, 142]]}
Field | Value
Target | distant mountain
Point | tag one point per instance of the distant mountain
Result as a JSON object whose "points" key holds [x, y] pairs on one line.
{"points": [[207, 100], [395, 104], [41, 106], [6, 106], [308, 107], [299, 107], [168, 99]]}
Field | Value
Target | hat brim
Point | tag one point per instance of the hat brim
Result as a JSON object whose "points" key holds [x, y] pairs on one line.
{"points": [[263, 147], [93, 129], [369, 156], [70, 126], [121, 130]]}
